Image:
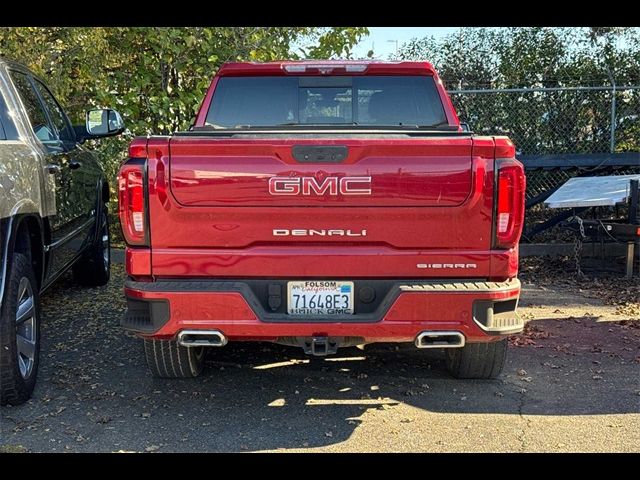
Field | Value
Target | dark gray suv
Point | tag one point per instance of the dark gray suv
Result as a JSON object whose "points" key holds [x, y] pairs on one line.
{"points": [[53, 214]]}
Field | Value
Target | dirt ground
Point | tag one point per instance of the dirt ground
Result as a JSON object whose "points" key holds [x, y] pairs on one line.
{"points": [[571, 383]]}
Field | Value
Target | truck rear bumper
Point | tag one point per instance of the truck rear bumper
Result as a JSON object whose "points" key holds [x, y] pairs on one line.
{"points": [[481, 311]]}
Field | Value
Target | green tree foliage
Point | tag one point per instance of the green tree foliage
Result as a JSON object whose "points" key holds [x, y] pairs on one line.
{"points": [[542, 57], [531, 56], [155, 77]]}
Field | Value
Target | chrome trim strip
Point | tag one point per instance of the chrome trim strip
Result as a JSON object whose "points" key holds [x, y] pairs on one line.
{"points": [[68, 236], [463, 287]]}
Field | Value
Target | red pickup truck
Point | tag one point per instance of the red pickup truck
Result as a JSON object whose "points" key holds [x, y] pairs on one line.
{"points": [[323, 205]]}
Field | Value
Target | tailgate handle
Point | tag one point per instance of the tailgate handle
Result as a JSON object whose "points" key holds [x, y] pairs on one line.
{"points": [[320, 153]]}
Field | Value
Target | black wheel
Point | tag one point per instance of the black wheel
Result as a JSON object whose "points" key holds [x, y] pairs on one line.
{"points": [[167, 359], [477, 360], [93, 269], [19, 333]]}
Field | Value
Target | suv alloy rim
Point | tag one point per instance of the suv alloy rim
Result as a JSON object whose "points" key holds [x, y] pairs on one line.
{"points": [[26, 327]]}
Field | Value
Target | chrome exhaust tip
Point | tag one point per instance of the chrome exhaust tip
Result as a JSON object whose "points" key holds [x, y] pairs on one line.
{"points": [[440, 339], [201, 338]]}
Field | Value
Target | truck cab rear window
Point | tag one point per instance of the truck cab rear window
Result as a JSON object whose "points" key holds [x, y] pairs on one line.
{"points": [[244, 102]]}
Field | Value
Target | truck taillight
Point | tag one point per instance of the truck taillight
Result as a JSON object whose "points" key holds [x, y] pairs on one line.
{"points": [[131, 207], [509, 203]]}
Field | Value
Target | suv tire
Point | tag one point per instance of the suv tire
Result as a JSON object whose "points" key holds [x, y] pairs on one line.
{"points": [[19, 333]]}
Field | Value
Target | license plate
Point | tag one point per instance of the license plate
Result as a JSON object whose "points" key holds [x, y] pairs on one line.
{"points": [[321, 297]]}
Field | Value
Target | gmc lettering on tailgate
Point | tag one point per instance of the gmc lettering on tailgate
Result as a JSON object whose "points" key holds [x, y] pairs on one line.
{"points": [[312, 186]]}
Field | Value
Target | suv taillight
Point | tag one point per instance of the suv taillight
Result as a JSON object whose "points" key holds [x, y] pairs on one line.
{"points": [[131, 201], [510, 192]]}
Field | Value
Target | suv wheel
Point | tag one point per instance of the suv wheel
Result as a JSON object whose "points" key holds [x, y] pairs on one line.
{"points": [[168, 359], [19, 333], [93, 269], [477, 360]]}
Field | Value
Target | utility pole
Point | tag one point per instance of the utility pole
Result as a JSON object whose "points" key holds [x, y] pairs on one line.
{"points": [[612, 146], [396, 42]]}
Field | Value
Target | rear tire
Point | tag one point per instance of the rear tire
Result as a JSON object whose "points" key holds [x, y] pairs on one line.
{"points": [[477, 360], [93, 269], [19, 333], [168, 359]]}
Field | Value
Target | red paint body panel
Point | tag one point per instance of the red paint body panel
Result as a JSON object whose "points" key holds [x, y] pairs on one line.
{"points": [[392, 222], [372, 68], [295, 261], [199, 308], [212, 216], [406, 173], [137, 261]]}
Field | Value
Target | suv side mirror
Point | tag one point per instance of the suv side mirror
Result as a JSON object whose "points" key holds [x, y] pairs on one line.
{"points": [[104, 123], [465, 127]]}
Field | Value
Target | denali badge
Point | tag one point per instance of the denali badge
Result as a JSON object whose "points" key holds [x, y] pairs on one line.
{"points": [[446, 265], [298, 232], [311, 186]]}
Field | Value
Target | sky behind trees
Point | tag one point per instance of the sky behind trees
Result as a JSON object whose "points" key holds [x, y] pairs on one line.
{"points": [[382, 39]]}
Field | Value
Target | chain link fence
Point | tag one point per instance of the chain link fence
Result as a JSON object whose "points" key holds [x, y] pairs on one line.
{"points": [[591, 121], [556, 120]]}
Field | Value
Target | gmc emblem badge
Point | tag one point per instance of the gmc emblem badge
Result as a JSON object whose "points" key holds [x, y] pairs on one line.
{"points": [[311, 186]]}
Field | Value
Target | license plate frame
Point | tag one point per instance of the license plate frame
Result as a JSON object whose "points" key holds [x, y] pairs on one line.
{"points": [[315, 292]]}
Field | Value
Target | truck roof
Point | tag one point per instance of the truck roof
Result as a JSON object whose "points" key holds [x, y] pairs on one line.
{"points": [[334, 67]]}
